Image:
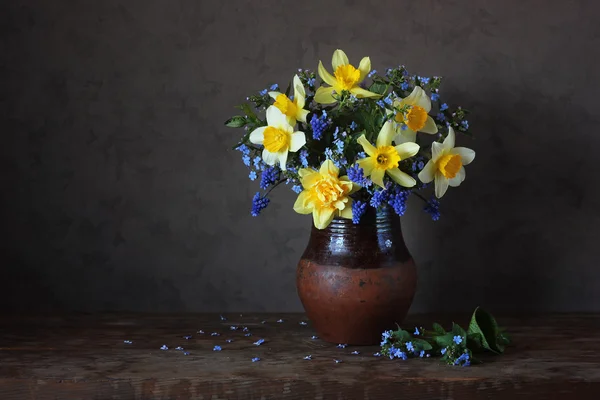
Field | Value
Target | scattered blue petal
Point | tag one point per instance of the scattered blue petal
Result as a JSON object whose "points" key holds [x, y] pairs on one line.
{"points": [[274, 87], [303, 323], [223, 318], [179, 348], [308, 357], [217, 348], [187, 337], [233, 328], [255, 359], [314, 337], [127, 341], [263, 92], [422, 353], [186, 353], [443, 351], [200, 331], [245, 329], [378, 354], [337, 361], [342, 345], [263, 322], [215, 334], [280, 320], [164, 347], [259, 342], [248, 334], [355, 352], [229, 340], [417, 332]]}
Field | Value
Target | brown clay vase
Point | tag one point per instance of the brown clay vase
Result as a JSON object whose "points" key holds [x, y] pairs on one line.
{"points": [[355, 281]]}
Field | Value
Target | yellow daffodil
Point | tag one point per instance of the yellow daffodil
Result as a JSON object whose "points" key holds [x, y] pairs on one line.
{"points": [[325, 195], [415, 119], [278, 138], [446, 165], [293, 109], [384, 158], [345, 77]]}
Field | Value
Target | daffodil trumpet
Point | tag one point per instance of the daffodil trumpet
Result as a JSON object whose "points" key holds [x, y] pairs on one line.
{"points": [[345, 77], [383, 158], [292, 109], [447, 163], [278, 138]]}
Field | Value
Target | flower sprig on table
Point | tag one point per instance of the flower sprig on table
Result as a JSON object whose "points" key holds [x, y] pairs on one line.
{"points": [[456, 347], [358, 140]]}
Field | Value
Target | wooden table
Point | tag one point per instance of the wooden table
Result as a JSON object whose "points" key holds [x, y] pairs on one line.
{"points": [[85, 357]]}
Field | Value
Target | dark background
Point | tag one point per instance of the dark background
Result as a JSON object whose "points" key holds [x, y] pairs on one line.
{"points": [[120, 191]]}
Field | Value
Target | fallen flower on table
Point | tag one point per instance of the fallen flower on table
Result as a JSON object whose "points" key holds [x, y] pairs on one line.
{"points": [[308, 357], [217, 348], [255, 359], [259, 342], [164, 347], [127, 341]]}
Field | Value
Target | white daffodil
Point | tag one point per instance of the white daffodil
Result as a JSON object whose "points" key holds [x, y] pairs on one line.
{"points": [[415, 118], [384, 158], [345, 78], [293, 109], [446, 165], [278, 138]]}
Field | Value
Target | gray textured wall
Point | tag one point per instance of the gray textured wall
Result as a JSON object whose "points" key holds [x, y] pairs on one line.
{"points": [[119, 190]]}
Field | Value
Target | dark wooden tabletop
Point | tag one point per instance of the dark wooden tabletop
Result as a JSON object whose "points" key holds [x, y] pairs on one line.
{"points": [[86, 357]]}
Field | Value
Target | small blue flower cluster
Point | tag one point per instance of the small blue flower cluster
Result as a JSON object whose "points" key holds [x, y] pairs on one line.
{"points": [[397, 199], [464, 125], [418, 164], [269, 176], [444, 107], [397, 353], [372, 73], [319, 125], [356, 175], [358, 210], [259, 203], [433, 208], [435, 97], [464, 360], [304, 158], [379, 197]]}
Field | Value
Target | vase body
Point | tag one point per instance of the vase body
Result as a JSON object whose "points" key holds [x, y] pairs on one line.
{"points": [[355, 281]]}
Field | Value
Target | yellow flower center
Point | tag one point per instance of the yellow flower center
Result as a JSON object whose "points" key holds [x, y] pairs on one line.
{"points": [[328, 191], [386, 157], [415, 118], [286, 106], [347, 76], [276, 140], [449, 165]]}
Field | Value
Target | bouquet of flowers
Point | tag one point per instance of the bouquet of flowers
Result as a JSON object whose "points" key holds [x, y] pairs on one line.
{"points": [[358, 140]]}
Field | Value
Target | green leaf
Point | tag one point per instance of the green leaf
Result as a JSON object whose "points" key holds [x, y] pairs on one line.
{"points": [[401, 335], [474, 341], [444, 340], [236, 122], [422, 344], [437, 328], [378, 88], [484, 323]]}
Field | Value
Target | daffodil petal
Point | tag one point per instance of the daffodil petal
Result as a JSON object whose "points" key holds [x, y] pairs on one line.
{"points": [[367, 164], [339, 58], [347, 182], [299, 93], [269, 158], [282, 156], [258, 135], [274, 95], [418, 97], [401, 177], [329, 168], [322, 217], [430, 127], [310, 179], [454, 182], [437, 150], [324, 95], [325, 75], [427, 174], [377, 176], [407, 150], [367, 147], [301, 116], [466, 155], [441, 184], [347, 211], [462, 173], [297, 140], [404, 136], [364, 67], [363, 93], [386, 134], [301, 204], [276, 118], [449, 141]]}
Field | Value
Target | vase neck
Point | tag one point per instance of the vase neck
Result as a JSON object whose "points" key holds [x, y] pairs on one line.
{"points": [[372, 243]]}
